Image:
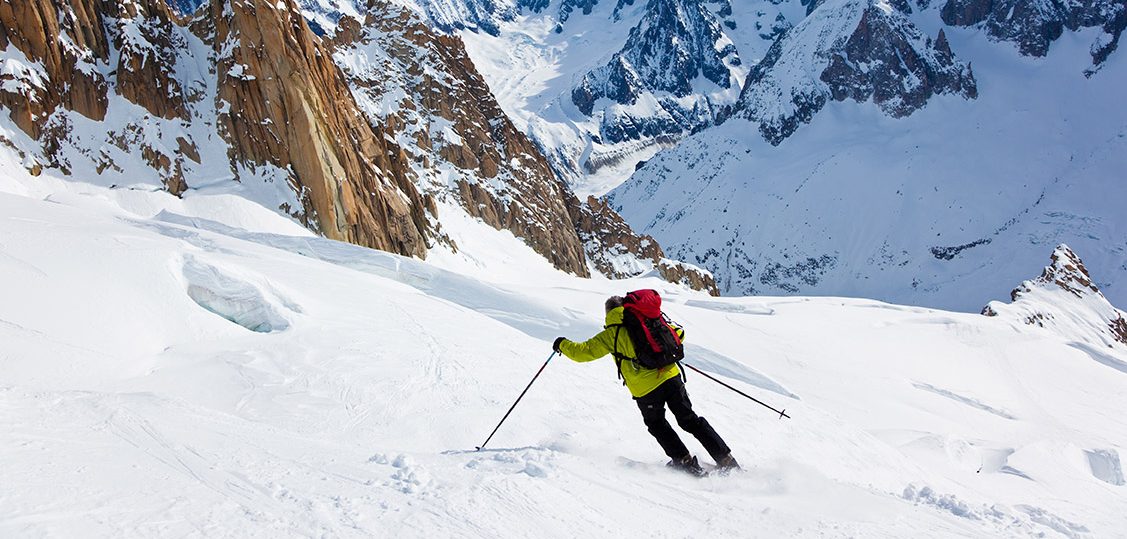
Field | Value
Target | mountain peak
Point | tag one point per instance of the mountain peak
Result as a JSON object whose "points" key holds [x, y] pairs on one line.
{"points": [[654, 80], [850, 49], [1034, 25], [1067, 272], [1065, 300]]}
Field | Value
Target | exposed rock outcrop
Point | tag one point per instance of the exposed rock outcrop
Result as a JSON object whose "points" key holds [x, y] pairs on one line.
{"points": [[1034, 25], [1065, 300], [850, 49], [147, 44], [425, 89], [617, 251], [41, 31], [74, 56], [287, 103]]}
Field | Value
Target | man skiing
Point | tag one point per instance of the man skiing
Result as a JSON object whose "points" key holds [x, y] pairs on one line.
{"points": [[652, 389]]}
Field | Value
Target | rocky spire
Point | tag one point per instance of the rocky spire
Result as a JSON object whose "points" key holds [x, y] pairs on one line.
{"points": [[1065, 300]]}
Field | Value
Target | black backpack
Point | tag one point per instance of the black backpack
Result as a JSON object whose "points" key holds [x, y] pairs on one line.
{"points": [[656, 344]]}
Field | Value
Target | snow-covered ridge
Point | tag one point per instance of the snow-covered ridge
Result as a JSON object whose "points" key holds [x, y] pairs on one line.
{"points": [[1034, 25], [676, 68], [850, 49], [1066, 301]]}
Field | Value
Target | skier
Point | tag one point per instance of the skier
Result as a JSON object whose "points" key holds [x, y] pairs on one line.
{"points": [[652, 389]]}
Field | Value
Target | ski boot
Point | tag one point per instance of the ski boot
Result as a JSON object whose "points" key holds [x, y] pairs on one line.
{"points": [[727, 464], [689, 465]]}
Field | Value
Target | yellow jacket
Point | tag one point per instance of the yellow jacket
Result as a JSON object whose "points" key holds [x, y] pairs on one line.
{"points": [[639, 381]]}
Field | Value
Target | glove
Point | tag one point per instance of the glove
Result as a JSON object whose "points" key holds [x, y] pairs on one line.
{"points": [[556, 344]]}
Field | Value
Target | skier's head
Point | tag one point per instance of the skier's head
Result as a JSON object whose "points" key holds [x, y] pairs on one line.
{"points": [[613, 302]]}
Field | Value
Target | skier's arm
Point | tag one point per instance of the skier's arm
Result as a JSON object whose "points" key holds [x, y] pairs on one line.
{"points": [[589, 350]]}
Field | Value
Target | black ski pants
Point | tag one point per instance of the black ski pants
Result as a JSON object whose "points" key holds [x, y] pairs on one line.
{"points": [[672, 393]]}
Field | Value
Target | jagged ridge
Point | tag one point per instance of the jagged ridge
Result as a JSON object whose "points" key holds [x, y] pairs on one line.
{"points": [[1035, 24], [1065, 300], [675, 43], [849, 49]]}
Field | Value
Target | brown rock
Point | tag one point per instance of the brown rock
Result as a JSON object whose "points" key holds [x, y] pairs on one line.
{"points": [[188, 149], [443, 86], [1067, 272], [289, 106], [39, 29], [144, 69], [1118, 329], [607, 235]]}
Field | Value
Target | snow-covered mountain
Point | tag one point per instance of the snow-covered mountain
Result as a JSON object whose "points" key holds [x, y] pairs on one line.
{"points": [[1065, 300], [675, 68], [850, 49], [601, 86], [866, 159], [962, 134], [205, 366], [1033, 26], [373, 129]]}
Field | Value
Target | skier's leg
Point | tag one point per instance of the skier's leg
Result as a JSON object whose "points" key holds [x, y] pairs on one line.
{"points": [[653, 414], [698, 426]]}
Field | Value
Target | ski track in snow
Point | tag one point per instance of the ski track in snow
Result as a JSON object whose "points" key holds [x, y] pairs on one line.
{"points": [[973, 403]]}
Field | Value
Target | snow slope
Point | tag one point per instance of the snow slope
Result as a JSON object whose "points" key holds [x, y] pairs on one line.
{"points": [[166, 374], [947, 207]]}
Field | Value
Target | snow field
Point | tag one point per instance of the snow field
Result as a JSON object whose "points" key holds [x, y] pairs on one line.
{"points": [[167, 374]]}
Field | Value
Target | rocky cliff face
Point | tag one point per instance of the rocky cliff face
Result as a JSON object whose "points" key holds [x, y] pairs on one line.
{"points": [[463, 148], [1034, 25], [1065, 300], [850, 49], [37, 31], [288, 104], [267, 87]]}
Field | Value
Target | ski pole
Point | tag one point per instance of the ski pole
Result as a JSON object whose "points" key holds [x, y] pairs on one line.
{"points": [[782, 413], [517, 401]]}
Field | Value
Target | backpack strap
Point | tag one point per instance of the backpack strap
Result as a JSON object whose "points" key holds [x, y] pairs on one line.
{"points": [[677, 327], [618, 358]]}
